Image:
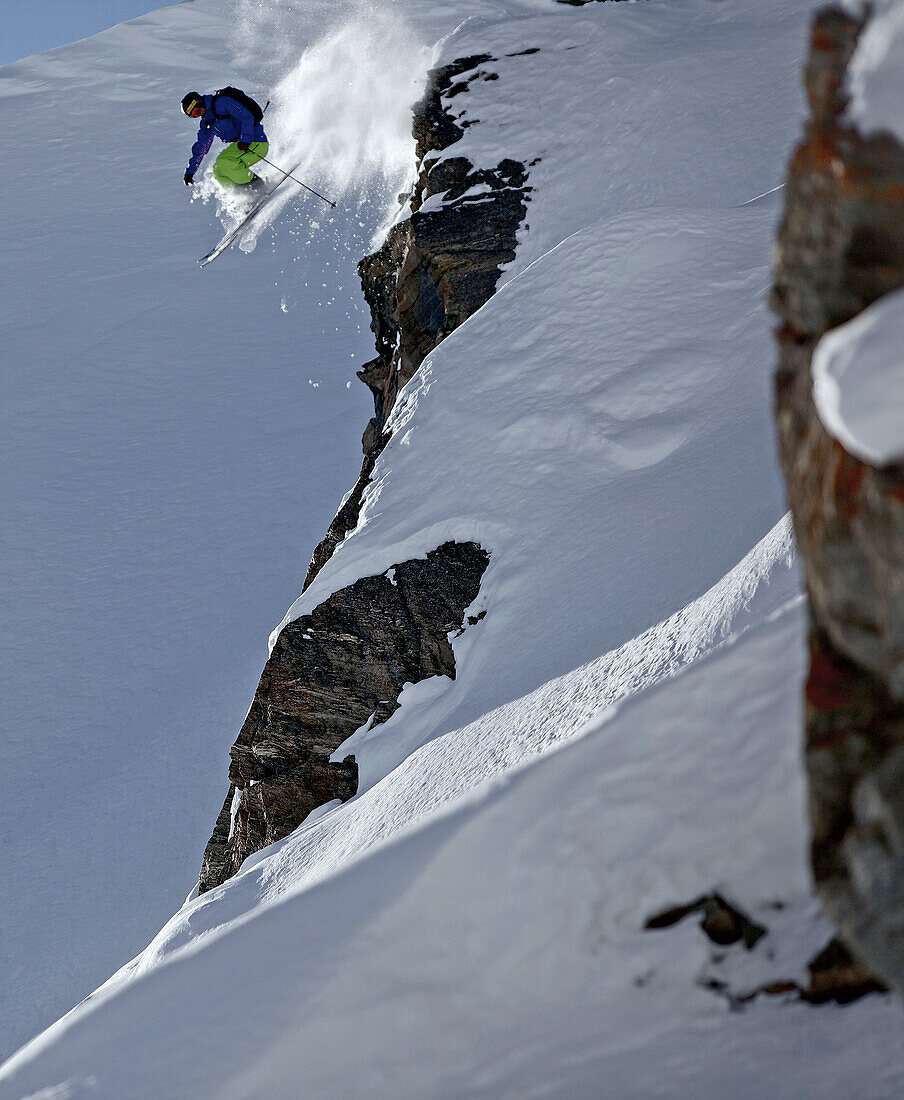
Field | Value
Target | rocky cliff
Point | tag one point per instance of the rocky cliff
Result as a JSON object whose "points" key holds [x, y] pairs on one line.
{"points": [[841, 246], [345, 664]]}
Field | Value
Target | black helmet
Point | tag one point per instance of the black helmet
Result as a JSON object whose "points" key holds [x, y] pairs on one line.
{"points": [[192, 100]]}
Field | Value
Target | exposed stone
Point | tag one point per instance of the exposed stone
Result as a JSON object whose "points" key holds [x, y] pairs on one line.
{"points": [[330, 673], [434, 127], [435, 268], [722, 922], [841, 246], [835, 975], [346, 517]]}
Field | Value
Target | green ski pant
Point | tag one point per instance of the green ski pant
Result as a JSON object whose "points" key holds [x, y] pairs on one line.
{"points": [[232, 166]]}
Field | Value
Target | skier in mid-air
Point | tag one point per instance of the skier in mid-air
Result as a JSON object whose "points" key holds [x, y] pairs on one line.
{"points": [[236, 119]]}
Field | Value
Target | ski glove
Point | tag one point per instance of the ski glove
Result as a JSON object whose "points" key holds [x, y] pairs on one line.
{"points": [[188, 179], [243, 145]]}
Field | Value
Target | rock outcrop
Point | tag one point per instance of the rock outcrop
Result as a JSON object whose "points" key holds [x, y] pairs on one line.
{"points": [[723, 923], [435, 268], [345, 664], [841, 246], [330, 673]]}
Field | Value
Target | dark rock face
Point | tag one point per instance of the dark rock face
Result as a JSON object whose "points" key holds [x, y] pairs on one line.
{"points": [[434, 269], [331, 672], [723, 923], [841, 246]]}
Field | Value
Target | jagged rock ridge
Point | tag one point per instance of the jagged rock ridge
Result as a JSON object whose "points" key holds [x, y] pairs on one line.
{"points": [[345, 664], [841, 246]]}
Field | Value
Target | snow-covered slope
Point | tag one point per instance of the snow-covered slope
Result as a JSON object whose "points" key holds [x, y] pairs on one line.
{"points": [[499, 949], [174, 441], [471, 923], [580, 424]]}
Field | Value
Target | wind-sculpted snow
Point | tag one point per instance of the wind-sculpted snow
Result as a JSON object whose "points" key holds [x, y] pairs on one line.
{"points": [[497, 949], [588, 429], [420, 781], [576, 425]]}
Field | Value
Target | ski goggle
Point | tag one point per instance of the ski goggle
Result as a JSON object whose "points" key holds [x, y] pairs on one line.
{"points": [[189, 105]]}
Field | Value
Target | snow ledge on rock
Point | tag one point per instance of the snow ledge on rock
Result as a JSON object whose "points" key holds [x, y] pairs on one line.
{"points": [[858, 382]]}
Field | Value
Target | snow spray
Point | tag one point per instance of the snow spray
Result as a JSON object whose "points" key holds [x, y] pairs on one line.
{"points": [[340, 104]]}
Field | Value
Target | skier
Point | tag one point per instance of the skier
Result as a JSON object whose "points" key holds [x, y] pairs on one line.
{"points": [[236, 119]]}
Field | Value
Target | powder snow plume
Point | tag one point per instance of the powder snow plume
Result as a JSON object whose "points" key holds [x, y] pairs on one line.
{"points": [[342, 104]]}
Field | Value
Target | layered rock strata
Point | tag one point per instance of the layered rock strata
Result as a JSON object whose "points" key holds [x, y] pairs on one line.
{"points": [[841, 246], [345, 664]]}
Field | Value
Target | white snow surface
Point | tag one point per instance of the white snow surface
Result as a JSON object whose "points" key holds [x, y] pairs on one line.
{"points": [[858, 382], [876, 71], [623, 731]]}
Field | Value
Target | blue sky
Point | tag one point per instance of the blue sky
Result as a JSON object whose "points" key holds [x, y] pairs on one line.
{"points": [[30, 26]]}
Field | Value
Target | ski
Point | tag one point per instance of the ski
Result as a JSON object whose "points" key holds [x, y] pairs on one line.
{"points": [[252, 213]]}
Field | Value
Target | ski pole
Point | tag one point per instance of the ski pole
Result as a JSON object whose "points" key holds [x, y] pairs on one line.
{"points": [[291, 177]]}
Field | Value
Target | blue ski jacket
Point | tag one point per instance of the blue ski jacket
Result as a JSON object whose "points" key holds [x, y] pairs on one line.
{"points": [[232, 122]]}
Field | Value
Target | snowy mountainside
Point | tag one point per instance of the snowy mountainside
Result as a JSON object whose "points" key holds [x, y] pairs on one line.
{"points": [[608, 403], [471, 923], [169, 436], [545, 982]]}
